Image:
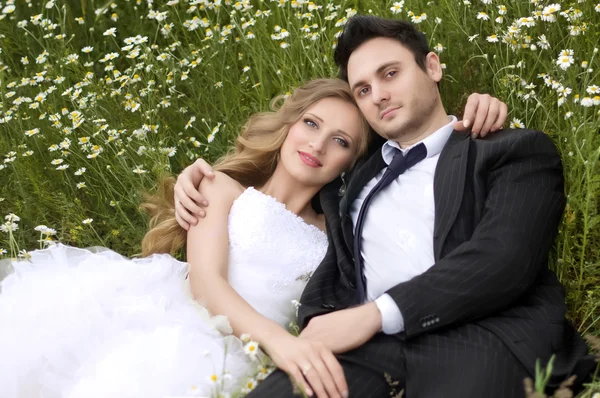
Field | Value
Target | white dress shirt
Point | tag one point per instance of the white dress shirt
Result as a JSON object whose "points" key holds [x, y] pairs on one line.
{"points": [[397, 235]]}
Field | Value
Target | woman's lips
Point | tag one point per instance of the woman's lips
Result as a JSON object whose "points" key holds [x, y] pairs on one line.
{"points": [[309, 160]]}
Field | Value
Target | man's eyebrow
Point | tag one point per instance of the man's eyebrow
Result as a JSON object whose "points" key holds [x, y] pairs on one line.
{"points": [[378, 71], [338, 130]]}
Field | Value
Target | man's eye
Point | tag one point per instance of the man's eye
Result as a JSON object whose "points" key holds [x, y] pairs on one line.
{"points": [[342, 142], [391, 73], [363, 91], [310, 123]]}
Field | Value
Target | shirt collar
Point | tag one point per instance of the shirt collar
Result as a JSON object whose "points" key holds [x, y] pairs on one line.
{"points": [[434, 142]]}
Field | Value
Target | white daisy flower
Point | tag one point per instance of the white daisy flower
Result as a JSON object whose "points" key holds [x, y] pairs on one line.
{"points": [[417, 19], [245, 337], [516, 124], [543, 42], [9, 227], [526, 21], [251, 349], [397, 7], [249, 386], [32, 132], [24, 254], [213, 378], [87, 221], [483, 15], [593, 90], [41, 228], [549, 11], [110, 32], [139, 170], [565, 59], [12, 217], [587, 102]]}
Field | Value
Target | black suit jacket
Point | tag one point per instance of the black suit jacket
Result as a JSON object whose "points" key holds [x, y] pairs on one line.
{"points": [[498, 204]]}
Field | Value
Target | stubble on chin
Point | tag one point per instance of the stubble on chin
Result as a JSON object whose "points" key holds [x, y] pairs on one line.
{"points": [[400, 131]]}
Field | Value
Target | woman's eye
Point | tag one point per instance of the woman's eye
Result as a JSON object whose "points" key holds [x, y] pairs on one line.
{"points": [[391, 73], [342, 142], [310, 123]]}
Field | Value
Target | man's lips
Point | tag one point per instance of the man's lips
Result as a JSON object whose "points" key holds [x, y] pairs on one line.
{"points": [[309, 159], [387, 112]]}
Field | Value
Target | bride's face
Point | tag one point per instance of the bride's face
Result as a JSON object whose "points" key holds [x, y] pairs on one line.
{"points": [[323, 142]]}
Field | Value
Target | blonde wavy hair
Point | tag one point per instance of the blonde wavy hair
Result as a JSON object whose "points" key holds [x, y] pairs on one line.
{"points": [[251, 162]]}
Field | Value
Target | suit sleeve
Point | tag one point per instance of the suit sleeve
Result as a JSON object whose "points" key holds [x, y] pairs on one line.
{"points": [[509, 247]]}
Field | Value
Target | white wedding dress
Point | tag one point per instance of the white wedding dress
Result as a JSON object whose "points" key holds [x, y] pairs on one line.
{"points": [[78, 323]]}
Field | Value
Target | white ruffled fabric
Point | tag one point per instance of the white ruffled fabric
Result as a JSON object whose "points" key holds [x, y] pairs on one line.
{"points": [[77, 323]]}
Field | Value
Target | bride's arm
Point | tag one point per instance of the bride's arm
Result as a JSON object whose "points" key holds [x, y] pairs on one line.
{"points": [[208, 255]]}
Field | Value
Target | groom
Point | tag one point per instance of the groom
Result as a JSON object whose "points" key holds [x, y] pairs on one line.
{"points": [[436, 279]]}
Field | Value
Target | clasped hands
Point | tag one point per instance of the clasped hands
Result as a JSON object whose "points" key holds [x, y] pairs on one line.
{"points": [[309, 359]]}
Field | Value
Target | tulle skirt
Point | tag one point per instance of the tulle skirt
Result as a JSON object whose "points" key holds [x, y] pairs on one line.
{"points": [[90, 323]]}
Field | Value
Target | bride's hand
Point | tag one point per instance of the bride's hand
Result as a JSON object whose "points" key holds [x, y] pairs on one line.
{"points": [[310, 364], [188, 200]]}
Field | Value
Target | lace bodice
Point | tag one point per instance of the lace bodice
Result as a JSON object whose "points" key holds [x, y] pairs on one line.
{"points": [[272, 253]]}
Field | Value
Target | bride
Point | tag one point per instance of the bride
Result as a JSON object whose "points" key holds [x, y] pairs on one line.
{"points": [[91, 323], [81, 324]]}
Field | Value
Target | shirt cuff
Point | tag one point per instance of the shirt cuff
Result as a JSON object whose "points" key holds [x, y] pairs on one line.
{"points": [[391, 318]]}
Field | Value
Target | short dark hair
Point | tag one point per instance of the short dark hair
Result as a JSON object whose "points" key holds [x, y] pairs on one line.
{"points": [[361, 28]]}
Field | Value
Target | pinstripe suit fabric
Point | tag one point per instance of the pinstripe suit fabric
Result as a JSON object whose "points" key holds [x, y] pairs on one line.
{"points": [[476, 321]]}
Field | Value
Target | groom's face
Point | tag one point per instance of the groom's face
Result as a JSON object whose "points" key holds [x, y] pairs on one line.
{"points": [[397, 97]]}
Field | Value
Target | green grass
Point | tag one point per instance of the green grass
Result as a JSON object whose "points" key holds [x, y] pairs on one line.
{"points": [[129, 119]]}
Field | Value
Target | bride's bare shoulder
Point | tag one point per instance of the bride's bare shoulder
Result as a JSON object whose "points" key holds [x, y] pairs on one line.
{"points": [[220, 187]]}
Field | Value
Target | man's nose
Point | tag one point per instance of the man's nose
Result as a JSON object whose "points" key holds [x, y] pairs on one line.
{"points": [[379, 94]]}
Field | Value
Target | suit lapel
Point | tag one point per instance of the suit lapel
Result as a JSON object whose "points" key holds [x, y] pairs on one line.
{"points": [[356, 183], [448, 187]]}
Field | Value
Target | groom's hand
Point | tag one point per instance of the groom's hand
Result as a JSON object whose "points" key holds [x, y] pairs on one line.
{"points": [[188, 201], [344, 330]]}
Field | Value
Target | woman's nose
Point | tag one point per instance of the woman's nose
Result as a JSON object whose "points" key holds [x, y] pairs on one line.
{"points": [[318, 145]]}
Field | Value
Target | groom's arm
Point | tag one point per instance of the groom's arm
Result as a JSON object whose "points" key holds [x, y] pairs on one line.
{"points": [[507, 250]]}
